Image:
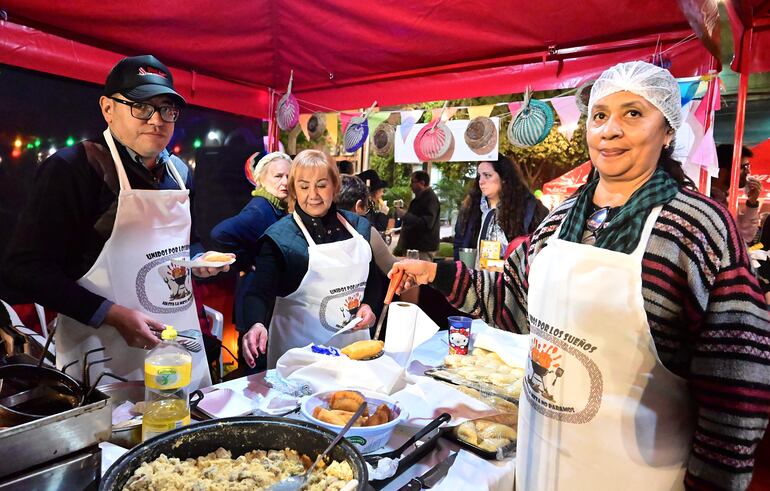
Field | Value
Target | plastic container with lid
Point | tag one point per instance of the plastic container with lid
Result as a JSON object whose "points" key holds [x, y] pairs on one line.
{"points": [[167, 374]]}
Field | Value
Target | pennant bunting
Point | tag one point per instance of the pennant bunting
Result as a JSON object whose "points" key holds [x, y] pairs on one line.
{"points": [[408, 120], [303, 119], [436, 113], [475, 111], [345, 120], [569, 114], [331, 127], [688, 90], [514, 107], [376, 119]]}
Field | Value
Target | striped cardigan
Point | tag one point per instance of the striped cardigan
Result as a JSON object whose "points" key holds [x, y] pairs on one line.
{"points": [[707, 316]]}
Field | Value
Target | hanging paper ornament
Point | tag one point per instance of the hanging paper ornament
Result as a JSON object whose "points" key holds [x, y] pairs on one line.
{"points": [[316, 125], [383, 139], [357, 131], [287, 112], [434, 141], [481, 135], [531, 124]]}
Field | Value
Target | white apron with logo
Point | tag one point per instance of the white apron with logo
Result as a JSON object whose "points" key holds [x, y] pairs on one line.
{"points": [[134, 270], [327, 298], [599, 409]]}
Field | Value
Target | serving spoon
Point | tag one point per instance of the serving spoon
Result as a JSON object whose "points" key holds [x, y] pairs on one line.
{"points": [[296, 483]]}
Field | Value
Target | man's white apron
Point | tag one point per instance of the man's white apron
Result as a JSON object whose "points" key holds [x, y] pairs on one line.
{"points": [[152, 227]]}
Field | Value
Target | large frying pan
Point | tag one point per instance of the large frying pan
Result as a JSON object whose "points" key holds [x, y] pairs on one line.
{"points": [[239, 435]]}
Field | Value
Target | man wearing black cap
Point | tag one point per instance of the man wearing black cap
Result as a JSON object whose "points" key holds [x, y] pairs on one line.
{"points": [[106, 221]]}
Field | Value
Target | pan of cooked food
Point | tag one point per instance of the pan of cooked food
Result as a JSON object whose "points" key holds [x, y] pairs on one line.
{"points": [[243, 453], [333, 409]]}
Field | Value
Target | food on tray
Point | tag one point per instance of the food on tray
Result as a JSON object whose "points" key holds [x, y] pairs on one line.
{"points": [[218, 470], [484, 367], [363, 349], [487, 435], [347, 400], [498, 403], [344, 403], [216, 257]]}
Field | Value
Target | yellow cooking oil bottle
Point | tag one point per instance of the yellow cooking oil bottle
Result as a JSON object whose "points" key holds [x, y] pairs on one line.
{"points": [[167, 373]]}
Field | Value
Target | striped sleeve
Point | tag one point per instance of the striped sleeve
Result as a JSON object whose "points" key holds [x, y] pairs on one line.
{"points": [[500, 299], [730, 366]]}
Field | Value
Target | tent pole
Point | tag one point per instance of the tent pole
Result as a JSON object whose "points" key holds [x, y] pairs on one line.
{"points": [[740, 119]]}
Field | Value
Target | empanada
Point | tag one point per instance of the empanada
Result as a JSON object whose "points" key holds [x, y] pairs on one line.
{"points": [[381, 416], [496, 430], [347, 400], [493, 444], [467, 432]]}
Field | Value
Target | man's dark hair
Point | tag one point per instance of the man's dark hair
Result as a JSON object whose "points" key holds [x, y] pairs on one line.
{"points": [[422, 176], [725, 155], [345, 167], [352, 189]]}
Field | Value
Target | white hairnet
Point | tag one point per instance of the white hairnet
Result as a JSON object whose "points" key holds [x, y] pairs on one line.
{"points": [[655, 84]]}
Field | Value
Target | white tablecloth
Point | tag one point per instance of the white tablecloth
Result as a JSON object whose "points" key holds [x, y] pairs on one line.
{"points": [[467, 468]]}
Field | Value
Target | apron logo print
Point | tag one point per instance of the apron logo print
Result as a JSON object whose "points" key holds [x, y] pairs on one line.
{"points": [[544, 358], [176, 279], [350, 308]]}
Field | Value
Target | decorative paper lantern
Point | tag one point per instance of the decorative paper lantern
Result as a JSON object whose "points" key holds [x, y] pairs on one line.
{"points": [[434, 142], [531, 124], [357, 131], [383, 139], [481, 135], [316, 125], [287, 112]]}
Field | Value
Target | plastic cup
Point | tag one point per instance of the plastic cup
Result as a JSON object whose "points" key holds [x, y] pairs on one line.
{"points": [[468, 257], [459, 334]]}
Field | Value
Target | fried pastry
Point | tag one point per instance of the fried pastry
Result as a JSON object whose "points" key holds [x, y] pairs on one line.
{"points": [[363, 349], [381, 416], [347, 400]]}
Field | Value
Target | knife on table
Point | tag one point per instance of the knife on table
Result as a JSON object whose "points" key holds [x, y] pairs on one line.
{"points": [[432, 477]]}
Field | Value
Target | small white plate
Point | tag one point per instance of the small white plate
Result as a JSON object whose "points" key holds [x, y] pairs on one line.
{"points": [[225, 402], [200, 262]]}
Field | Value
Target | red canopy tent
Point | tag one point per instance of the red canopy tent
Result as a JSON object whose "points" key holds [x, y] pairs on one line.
{"points": [[345, 54]]}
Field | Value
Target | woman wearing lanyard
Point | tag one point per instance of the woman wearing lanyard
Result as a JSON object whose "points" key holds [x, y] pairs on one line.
{"points": [[648, 365], [499, 208], [240, 234], [313, 267]]}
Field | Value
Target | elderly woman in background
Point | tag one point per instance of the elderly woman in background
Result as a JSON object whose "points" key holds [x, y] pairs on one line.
{"points": [[499, 208], [649, 362], [314, 268], [239, 234]]}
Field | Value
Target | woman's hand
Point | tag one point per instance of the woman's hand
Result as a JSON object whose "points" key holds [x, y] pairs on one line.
{"points": [[367, 316], [415, 273], [254, 342]]}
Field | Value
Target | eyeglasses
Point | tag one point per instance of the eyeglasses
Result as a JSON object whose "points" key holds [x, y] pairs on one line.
{"points": [[596, 222], [144, 111]]}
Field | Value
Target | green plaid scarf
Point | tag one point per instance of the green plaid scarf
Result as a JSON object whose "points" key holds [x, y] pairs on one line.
{"points": [[278, 204], [622, 233]]}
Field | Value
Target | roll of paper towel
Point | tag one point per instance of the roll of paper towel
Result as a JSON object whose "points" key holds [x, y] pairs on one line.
{"points": [[408, 327]]}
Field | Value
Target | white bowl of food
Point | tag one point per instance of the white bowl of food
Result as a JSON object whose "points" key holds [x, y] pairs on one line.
{"points": [[333, 409]]}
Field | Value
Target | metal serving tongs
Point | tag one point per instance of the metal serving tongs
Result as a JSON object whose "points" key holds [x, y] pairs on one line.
{"points": [[394, 282]]}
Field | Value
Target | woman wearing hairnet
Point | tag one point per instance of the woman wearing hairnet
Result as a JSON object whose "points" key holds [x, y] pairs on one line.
{"points": [[650, 344]]}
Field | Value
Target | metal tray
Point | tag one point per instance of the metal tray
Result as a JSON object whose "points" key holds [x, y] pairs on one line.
{"points": [[29, 444], [502, 453], [439, 373]]}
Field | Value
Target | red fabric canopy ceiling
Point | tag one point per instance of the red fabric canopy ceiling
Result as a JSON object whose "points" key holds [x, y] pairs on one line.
{"points": [[345, 54]]}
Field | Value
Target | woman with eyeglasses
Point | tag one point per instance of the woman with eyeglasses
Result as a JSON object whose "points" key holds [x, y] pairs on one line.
{"points": [[649, 364], [240, 234]]}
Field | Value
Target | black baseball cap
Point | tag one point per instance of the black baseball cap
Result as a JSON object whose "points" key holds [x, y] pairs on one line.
{"points": [[139, 78], [372, 179]]}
